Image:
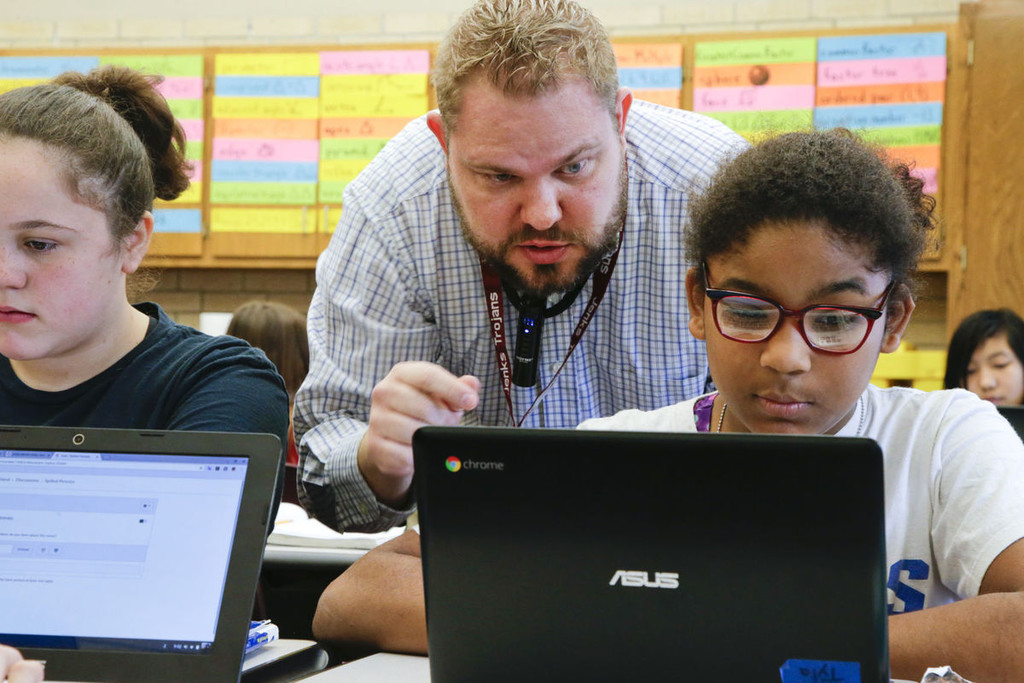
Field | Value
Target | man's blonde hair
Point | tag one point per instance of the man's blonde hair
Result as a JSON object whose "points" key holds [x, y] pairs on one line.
{"points": [[523, 47]]}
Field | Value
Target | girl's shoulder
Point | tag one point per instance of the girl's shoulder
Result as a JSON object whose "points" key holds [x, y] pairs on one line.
{"points": [[910, 400], [173, 344], [938, 414], [677, 417]]}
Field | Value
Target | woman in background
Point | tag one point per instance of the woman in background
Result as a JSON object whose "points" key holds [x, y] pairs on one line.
{"points": [[985, 356], [280, 332]]}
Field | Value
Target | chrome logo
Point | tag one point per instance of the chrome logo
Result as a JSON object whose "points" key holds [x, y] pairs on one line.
{"points": [[453, 464]]}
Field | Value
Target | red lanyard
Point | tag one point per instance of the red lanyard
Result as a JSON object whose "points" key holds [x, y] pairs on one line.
{"points": [[496, 319]]}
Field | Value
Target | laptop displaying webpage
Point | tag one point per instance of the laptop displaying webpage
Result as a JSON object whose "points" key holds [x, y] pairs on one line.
{"points": [[114, 550]]}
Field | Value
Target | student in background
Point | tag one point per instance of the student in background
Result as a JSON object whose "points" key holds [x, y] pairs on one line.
{"points": [[792, 351], [14, 669], [280, 332], [81, 160], [985, 355]]}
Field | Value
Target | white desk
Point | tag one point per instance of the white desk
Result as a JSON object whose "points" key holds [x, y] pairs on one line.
{"points": [[310, 556], [283, 660], [274, 651], [379, 668]]}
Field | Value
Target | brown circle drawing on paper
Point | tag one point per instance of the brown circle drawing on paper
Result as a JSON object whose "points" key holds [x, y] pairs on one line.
{"points": [[759, 74]]}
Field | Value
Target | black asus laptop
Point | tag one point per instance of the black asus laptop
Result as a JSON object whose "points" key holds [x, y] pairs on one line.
{"points": [[132, 555], [1015, 415], [561, 555]]}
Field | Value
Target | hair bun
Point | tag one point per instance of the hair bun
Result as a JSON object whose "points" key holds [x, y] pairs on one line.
{"points": [[134, 97]]}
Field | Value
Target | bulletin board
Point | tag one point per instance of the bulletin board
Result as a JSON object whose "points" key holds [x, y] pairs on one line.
{"points": [[276, 134]]}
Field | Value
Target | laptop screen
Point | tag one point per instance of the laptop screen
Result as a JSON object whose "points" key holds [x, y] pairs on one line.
{"points": [[91, 548]]}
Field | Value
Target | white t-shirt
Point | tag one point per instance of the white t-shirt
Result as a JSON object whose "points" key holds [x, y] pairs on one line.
{"points": [[954, 484]]}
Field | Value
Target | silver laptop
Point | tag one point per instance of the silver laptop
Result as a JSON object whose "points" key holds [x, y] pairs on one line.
{"points": [[560, 555], [132, 555]]}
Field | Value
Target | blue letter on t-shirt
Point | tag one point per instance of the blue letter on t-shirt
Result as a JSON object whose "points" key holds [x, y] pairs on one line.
{"points": [[913, 600]]}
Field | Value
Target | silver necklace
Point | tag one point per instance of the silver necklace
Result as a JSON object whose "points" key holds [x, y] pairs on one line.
{"points": [[721, 416], [863, 415]]}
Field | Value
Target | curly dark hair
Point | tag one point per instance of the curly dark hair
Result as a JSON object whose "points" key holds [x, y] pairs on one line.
{"points": [[975, 330], [830, 177]]}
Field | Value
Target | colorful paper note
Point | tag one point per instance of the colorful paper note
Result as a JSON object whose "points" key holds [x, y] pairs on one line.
{"points": [[262, 193], [756, 86], [38, 69], [889, 88], [267, 64], [277, 129], [243, 149], [300, 220], [375, 128], [192, 195], [7, 84], [177, 220], [652, 71], [352, 62], [352, 148], [266, 109], [366, 98]]}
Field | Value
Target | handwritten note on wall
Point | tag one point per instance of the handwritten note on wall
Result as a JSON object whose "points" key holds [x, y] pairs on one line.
{"points": [[756, 86], [890, 89], [178, 220], [367, 97], [182, 86], [652, 71], [18, 72], [285, 219], [265, 145]]}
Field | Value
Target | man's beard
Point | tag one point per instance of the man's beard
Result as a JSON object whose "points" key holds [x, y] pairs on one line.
{"points": [[543, 280]]}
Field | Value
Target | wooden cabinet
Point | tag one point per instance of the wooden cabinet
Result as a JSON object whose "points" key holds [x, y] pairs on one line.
{"points": [[989, 269]]}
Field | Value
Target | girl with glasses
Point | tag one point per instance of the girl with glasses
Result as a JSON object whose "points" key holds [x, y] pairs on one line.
{"points": [[804, 248]]}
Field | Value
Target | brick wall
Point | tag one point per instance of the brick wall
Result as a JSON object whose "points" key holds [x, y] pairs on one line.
{"points": [[114, 23], [185, 292]]}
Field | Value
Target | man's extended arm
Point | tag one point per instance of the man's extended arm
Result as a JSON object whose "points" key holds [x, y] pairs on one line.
{"points": [[361, 323], [378, 602]]}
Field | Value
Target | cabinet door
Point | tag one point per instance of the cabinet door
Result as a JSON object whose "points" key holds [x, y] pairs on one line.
{"points": [[994, 203]]}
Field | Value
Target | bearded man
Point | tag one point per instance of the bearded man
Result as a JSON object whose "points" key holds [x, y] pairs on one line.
{"points": [[512, 258]]}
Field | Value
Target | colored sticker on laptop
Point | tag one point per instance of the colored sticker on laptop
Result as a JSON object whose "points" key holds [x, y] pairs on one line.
{"points": [[815, 671]]}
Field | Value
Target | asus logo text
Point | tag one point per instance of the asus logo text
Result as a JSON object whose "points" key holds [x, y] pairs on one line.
{"points": [[642, 579]]}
